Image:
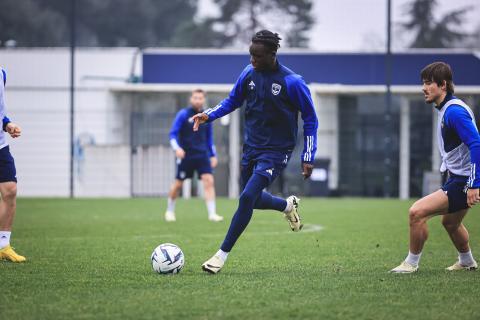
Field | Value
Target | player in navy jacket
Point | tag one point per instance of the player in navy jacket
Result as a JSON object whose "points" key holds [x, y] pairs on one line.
{"points": [[459, 146], [8, 179], [194, 151], [274, 96]]}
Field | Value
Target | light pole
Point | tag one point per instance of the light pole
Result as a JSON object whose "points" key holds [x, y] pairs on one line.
{"points": [[72, 91], [388, 106]]}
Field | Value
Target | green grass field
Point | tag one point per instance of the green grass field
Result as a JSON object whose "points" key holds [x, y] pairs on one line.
{"points": [[89, 259]]}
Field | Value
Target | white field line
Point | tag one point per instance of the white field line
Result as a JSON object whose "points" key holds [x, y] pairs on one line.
{"points": [[308, 228]]}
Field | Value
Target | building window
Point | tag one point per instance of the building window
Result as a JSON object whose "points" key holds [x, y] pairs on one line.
{"points": [[361, 144]]}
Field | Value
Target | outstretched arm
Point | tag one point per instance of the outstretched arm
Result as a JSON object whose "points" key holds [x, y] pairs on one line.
{"points": [[234, 101]]}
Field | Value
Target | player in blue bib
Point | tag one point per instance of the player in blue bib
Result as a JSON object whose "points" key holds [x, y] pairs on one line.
{"points": [[195, 152], [459, 145], [8, 179], [274, 96]]}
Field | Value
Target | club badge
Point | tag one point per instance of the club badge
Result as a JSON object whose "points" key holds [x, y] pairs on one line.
{"points": [[276, 89]]}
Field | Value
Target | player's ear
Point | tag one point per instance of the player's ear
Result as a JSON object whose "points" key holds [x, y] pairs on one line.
{"points": [[444, 85]]}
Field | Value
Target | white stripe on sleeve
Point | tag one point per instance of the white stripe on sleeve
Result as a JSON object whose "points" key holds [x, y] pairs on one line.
{"points": [[174, 144]]}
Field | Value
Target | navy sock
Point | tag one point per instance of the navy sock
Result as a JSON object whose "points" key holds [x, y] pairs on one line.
{"points": [[267, 201], [241, 218]]}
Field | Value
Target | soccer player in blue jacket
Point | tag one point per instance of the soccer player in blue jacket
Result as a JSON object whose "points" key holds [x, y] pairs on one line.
{"points": [[194, 151], [459, 144], [8, 179], [274, 96]]}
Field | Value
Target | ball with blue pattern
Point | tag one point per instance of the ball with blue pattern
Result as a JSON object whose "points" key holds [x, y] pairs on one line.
{"points": [[167, 258]]}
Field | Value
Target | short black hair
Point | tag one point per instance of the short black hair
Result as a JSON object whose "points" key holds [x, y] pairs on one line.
{"points": [[438, 72], [267, 38], [198, 90]]}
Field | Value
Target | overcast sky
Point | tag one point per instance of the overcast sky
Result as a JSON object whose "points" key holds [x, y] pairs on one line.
{"points": [[352, 25]]}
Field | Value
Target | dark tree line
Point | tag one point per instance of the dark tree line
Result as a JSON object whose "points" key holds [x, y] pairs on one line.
{"points": [[168, 23], [145, 23], [446, 32], [99, 23]]}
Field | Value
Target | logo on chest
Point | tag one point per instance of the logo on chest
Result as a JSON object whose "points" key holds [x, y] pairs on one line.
{"points": [[251, 85], [276, 89]]}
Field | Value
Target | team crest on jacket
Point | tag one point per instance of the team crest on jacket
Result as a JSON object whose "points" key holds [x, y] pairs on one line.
{"points": [[276, 89]]}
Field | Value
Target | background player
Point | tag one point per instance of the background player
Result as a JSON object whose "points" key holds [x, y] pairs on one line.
{"points": [[274, 96], [8, 179], [195, 152], [459, 144]]}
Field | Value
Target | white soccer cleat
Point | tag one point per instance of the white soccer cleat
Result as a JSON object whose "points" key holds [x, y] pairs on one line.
{"points": [[170, 216], [215, 218], [213, 265], [405, 267], [293, 217], [457, 267]]}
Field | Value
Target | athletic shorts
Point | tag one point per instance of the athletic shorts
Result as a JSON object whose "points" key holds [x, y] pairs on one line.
{"points": [[187, 166], [456, 190], [8, 173], [267, 163]]}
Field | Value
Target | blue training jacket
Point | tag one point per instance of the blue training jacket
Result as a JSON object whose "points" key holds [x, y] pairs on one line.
{"points": [[274, 99], [195, 144]]}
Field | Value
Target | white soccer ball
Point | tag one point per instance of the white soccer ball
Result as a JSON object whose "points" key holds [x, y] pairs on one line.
{"points": [[167, 258]]}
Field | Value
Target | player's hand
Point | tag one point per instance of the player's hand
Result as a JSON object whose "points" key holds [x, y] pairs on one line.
{"points": [[213, 162], [198, 119], [307, 169], [473, 197], [14, 130], [180, 153]]}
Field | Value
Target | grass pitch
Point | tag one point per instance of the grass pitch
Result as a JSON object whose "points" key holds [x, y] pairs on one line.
{"points": [[89, 259]]}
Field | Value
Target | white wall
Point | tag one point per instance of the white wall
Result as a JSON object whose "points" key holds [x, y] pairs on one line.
{"points": [[328, 135], [37, 97], [103, 171], [42, 152]]}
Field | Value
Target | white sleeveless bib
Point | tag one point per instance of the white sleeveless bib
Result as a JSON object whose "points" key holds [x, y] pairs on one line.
{"points": [[457, 161]]}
